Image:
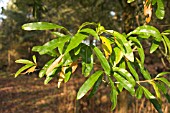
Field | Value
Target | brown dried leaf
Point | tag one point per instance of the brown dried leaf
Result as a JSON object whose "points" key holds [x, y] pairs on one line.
{"points": [[30, 70]]}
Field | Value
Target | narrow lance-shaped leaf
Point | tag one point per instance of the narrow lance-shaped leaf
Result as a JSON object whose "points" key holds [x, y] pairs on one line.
{"points": [[156, 89], [123, 41], [113, 94], [24, 61], [132, 70], [162, 73], [125, 74], [88, 84], [139, 48], [164, 80], [126, 84], [41, 26], [96, 86], [144, 72], [75, 41], [22, 69], [43, 70], [50, 76], [102, 59], [167, 41], [139, 92], [91, 32]]}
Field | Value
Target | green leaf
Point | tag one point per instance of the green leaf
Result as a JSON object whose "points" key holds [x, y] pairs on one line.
{"points": [[34, 59], [40, 26], [126, 84], [156, 105], [24, 61], [103, 60], [50, 76], [164, 80], [148, 31], [160, 11], [144, 72], [86, 24], [139, 92], [75, 41], [156, 89], [127, 50], [95, 87], [130, 1], [88, 84], [132, 70], [162, 73], [87, 60], [91, 32], [148, 95], [113, 94], [22, 69], [67, 75], [116, 56], [139, 48], [125, 74], [167, 42], [44, 69]]}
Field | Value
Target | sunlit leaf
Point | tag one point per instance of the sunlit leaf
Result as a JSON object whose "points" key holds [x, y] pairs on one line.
{"points": [[22, 69], [34, 59], [24, 61], [90, 31], [50, 76], [123, 41], [126, 84], [125, 74], [130, 1], [43, 70], [106, 45], [167, 41], [54, 64], [86, 24], [88, 84], [164, 80], [160, 11], [148, 95], [102, 59], [95, 87], [156, 89], [75, 41], [40, 26], [30, 70], [162, 73]]}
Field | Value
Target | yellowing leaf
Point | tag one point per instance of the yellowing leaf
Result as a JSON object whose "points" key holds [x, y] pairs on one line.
{"points": [[54, 64], [74, 66], [106, 45], [62, 76], [30, 70]]}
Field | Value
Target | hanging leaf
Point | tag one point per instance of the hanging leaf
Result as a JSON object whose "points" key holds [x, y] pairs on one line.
{"points": [[126, 84], [148, 95], [67, 75], [50, 76], [95, 87], [125, 74], [139, 48], [40, 26], [88, 84], [139, 92], [91, 32], [22, 69], [148, 12], [160, 11], [167, 42], [156, 89], [87, 60], [144, 72], [113, 94], [102, 59], [123, 41], [133, 70]]}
